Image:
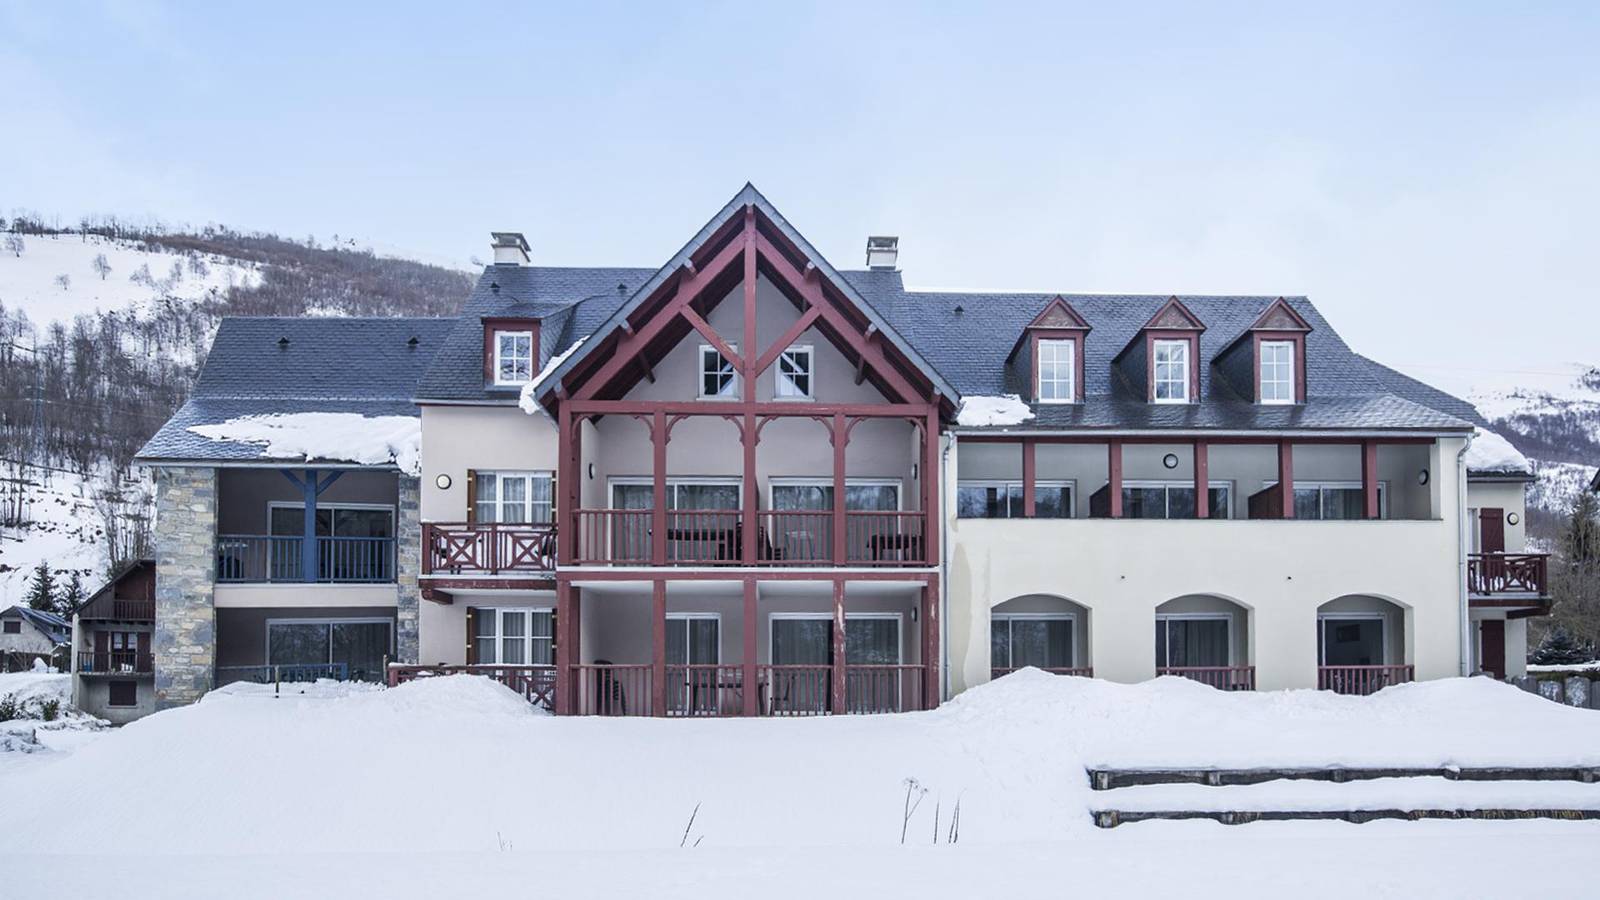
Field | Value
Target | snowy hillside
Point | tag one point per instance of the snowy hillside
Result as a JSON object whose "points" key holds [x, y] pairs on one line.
{"points": [[1555, 419], [134, 276], [65, 531]]}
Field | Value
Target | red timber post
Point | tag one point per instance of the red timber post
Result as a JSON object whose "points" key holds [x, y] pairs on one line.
{"points": [[931, 695], [1286, 478], [566, 648], [1202, 480], [1369, 477], [1114, 477], [1029, 474], [751, 693], [839, 704], [749, 434], [933, 523], [658, 647], [840, 437], [658, 506], [749, 377], [567, 477]]}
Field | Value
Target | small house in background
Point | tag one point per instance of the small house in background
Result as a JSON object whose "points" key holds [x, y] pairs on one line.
{"points": [[28, 634], [112, 666]]}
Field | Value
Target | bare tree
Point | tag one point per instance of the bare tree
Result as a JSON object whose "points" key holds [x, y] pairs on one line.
{"points": [[64, 281], [102, 266], [14, 244]]}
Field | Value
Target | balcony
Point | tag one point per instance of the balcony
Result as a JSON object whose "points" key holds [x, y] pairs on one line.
{"points": [[1512, 576], [272, 559], [115, 662], [1362, 680], [1225, 678], [461, 548], [868, 538], [119, 610]]}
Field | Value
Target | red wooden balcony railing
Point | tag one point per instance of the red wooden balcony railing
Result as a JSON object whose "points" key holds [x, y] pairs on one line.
{"points": [[120, 610], [705, 690], [1080, 671], [536, 683], [457, 548], [795, 690], [1362, 680], [115, 662], [713, 537], [1227, 678], [1509, 574], [612, 690], [875, 689]]}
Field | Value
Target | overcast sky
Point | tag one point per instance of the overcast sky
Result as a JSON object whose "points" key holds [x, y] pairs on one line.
{"points": [[1430, 176]]}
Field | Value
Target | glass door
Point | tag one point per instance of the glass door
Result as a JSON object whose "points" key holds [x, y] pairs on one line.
{"points": [[872, 641], [802, 650], [694, 639]]}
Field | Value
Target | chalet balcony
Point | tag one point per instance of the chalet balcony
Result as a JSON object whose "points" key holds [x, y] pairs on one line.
{"points": [[461, 548], [1079, 671], [115, 662], [273, 559], [1225, 678], [118, 609], [280, 526], [1508, 575], [693, 537], [1362, 680]]}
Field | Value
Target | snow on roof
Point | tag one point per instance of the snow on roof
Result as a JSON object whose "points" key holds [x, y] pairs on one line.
{"points": [[345, 437], [1492, 453], [1007, 409], [529, 401]]}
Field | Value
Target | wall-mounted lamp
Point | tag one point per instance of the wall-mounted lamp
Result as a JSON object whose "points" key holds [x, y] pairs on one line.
{"points": [[1513, 518], [442, 482], [1170, 460], [1422, 477], [591, 471], [913, 613], [914, 471]]}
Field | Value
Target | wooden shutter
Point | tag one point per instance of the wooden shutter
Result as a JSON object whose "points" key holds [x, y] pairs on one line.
{"points": [[472, 633], [144, 643], [1492, 530], [1492, 646], [555, 498], [472, 497], [102, 642]]}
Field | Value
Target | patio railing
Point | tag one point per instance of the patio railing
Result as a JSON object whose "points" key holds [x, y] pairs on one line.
{"points": [[1227, 678], [1362, 680]]}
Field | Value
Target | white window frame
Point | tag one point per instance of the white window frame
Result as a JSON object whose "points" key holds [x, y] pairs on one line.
{"points": [[266, 640], [734, 387], [1008, 618], [779, 380], [674, 482], [684, 618], [785, 481], [1063, 371], [1289, 366], [300, 505], [1168, 483], [499, 635], [1322, 631], [499, 502], [1163, 618], [1071, 484], [500, 356], [1383, 495], [899, 618], [1155, 370]]}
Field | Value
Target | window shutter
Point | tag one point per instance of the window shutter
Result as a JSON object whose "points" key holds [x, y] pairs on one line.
{"points": [[555, 498], [472, 632], [144, 644], [472, 498]]}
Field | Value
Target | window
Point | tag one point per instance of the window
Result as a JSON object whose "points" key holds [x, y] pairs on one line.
{"points": [[333, 520], [1172, 372], [355, 541], [514, 497], [1277, 372], [1003, 500], [693, 639], [513, 357], [513, 637], [1335, 500], [1350, 639], [1019, 640], [318, 645], [13, 626], [1173, 500], [718, 380], [123, 693], [1184, 641], [794, 374], [1057, 370]]}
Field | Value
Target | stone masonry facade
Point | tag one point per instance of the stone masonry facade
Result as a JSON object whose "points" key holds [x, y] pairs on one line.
{"points": [[186, 618], [408, 568]]}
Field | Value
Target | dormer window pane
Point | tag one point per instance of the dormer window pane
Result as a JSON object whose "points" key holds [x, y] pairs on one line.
{"points": [[1057, 370], [794, 373], [513, 357], [1172, 372], [717, 378], [1277, 372]]}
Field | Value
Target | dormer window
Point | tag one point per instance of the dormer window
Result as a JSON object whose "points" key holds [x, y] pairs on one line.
{"points": [[1277, 372], [1057, 368], [718, 380], [1171, 371], [794, 374], [513, 357]]}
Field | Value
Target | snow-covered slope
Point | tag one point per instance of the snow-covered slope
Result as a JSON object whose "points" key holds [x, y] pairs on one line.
{"points": [[31, 280], [1554, 418], [64, 531]]}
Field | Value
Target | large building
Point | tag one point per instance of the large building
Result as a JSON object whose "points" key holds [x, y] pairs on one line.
{"points": [[746, 482]]}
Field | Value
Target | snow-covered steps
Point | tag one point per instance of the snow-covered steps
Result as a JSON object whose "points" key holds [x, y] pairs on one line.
{"points": [[1387, 797], [1108, 779]]}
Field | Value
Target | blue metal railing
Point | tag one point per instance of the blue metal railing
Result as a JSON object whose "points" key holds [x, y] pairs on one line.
{"points": [[287, 674], [264, 558]]}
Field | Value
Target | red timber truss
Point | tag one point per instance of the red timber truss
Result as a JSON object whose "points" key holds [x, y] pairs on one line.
{"points": [[749, 244]]}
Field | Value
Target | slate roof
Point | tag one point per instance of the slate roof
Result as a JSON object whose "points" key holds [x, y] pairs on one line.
{"points": [[358, 365], [53, 626]]}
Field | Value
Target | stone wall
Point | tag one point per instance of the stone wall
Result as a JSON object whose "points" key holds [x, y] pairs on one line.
{"points": [[408, 567], [185, 546], [1578, 689]]}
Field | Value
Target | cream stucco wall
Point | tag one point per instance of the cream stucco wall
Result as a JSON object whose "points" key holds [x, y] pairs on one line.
{"points": [[458, 438], [1280, 571], [1509, 496]]}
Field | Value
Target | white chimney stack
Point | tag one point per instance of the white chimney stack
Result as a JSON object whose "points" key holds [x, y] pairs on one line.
{"points": [[882, 252], [510, 248]]}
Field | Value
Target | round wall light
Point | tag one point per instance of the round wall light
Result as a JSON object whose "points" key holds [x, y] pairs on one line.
{"points": [[443, 482], [1422, 477], [1513, 518], [1170, 460]]}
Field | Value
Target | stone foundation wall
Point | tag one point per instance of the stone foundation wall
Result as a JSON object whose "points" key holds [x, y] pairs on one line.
{"points": [[185, 537], [408, 567]]}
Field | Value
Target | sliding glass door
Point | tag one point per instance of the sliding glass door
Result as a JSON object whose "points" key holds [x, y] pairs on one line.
{"points": [[805, 642], [325, 648]]}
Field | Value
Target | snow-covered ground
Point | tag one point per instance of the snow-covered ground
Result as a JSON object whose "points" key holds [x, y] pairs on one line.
{"points": [[456, 787], [29, 280], [29, 740], [64, 531]]}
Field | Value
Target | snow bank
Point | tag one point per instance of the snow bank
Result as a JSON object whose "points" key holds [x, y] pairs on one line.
{"points": [[346, 437], [977, 411], [529, 399], [1494, 454], [31, 697]]}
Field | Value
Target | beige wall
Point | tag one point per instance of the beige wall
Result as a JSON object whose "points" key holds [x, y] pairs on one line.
{"points": [[299, 595], [443, 626], [1510, 497], [458, 438], [1281, 571]]}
